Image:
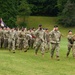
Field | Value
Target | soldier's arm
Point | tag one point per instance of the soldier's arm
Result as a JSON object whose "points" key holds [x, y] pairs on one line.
{"points": [[73, 37], [36, 32]]}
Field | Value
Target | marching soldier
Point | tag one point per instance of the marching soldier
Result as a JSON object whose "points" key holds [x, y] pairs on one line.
{"points": [[47, 40], [5, 35], [71, 43], [21, 39], [11, 40], [40, 34], [1, 37], [55, 38]]}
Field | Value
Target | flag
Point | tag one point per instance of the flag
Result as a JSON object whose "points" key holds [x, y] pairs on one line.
{"points": [[3, 24]]}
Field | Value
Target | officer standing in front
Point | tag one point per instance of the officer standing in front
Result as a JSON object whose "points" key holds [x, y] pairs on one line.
{"points": [[55, 38]]}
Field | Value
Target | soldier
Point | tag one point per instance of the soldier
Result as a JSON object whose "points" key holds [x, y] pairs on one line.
{"points": [[21, 39], [1, 37], [33, 37], [25, 42], [17, 38], [40, 34], [5, 35], [47, 40], [11, 40], [55, 37], [31, 40], [70, 43], [73, 46]]}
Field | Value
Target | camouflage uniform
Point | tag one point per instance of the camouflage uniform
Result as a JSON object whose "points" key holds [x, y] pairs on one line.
{"points": [[55, 37], [25, 42], [5, 34], [32, 39], [21, 39], [47, 41], [73, 49], [11, 40], [17, 39], [39, 42], [1, 38], [71, 45]]}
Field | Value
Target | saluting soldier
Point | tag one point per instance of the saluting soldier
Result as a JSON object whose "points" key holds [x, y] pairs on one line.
{"points": [[55, 38], [39, 43]]}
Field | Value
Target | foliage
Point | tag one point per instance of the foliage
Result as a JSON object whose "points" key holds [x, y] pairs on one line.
{"points": [[24, 11], [60, 5], [8, 12], [22, 24], [43, 7], [67, 18], [10, 9], [23, 8]]}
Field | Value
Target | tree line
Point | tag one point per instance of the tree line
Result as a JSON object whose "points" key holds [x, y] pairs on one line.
{"points": [[64, 9]]}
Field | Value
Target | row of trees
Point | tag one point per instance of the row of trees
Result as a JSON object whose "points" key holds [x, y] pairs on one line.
{"points": [[67, 13], [10, 9], [65, 9], [43, 7]]}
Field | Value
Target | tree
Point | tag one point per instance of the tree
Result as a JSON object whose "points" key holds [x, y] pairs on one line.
{"points": [[43, 7], [60, 5], [67, 18], [23, 11], [8, 12], [10, 9]]}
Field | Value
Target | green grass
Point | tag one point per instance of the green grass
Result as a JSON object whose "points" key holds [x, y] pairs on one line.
{"points": [[22, 63], [47, 22]]}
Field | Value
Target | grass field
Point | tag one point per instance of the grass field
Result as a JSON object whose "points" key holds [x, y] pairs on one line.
{"points": [[22, 63], [27, 63], [47, 22]]}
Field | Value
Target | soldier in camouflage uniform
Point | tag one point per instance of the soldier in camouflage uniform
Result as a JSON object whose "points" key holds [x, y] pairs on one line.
{"points": [[17, 38], [11, 40], [21, 39], [1, 38], [47, 40], [40, 34], [25, 42], [74, 46], [55, 37], [71, 44], [32, 39], [5, 35]]}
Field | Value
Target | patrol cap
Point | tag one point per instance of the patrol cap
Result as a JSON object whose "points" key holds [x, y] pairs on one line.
{"points": [[69, 31], [40, 25], [33, 28], [46, 29], [55, 26]]}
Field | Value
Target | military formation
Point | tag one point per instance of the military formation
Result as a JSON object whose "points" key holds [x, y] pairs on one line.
{"points": [[37, 39]]}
